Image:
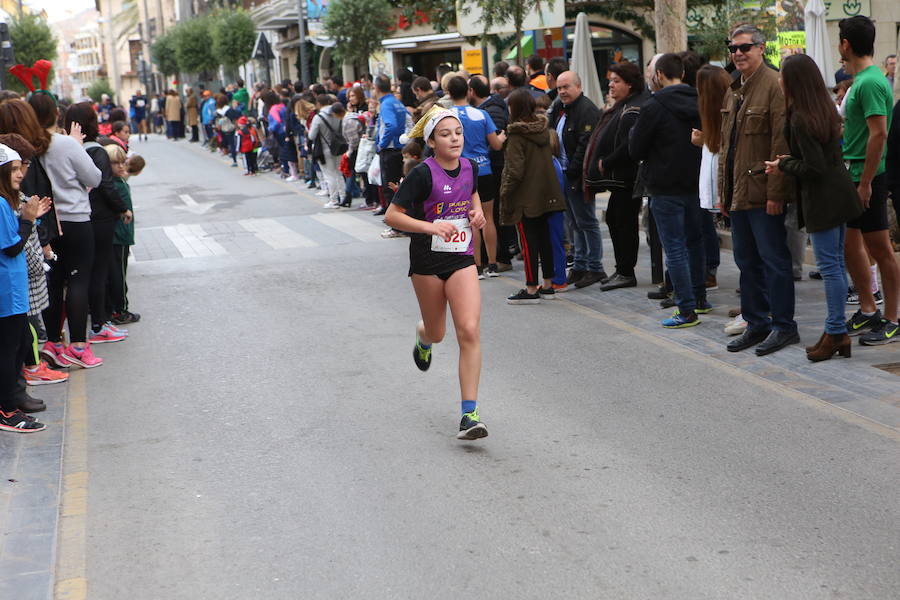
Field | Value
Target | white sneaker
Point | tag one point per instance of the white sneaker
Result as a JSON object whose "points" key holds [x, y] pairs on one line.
{"points": [[330, 204], [292, 178], [322, 193], [736, 327], [390, 233]]}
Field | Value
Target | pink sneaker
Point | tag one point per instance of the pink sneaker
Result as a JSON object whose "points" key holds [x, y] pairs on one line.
{"points": [[106, 335], [114, 329], [83, 358], [53, 354]]}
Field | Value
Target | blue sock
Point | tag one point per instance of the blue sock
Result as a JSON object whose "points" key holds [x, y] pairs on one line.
{"points": [[421, 345], [468, 406]]}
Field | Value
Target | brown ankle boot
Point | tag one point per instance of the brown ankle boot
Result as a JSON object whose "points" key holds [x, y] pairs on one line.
{"points": [[816, 346], [831, 345]]}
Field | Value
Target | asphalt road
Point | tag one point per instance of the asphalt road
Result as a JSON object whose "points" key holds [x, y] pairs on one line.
{"points": [[263, 434]]}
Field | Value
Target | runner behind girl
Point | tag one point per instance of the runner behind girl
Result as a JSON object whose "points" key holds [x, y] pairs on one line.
{"points": [[438, 204]]}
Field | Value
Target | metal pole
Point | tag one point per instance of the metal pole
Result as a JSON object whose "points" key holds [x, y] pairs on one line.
{"points": [[301, 27]]}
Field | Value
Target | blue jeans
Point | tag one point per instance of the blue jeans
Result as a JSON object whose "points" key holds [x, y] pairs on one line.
{"points": [[679, 222], [710, 241], [585, 230], [828, 247], [555, 222], [351, 187], [767, 281]]}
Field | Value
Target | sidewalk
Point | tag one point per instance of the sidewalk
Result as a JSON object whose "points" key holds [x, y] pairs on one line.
{"points": [[856, 385]]}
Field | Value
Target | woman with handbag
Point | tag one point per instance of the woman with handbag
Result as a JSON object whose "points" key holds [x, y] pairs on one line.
{"points": [[827, 197], [609, 167]]}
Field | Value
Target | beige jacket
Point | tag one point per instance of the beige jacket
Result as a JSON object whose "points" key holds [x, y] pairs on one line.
{"points": [[173, 108], [756, 112]]}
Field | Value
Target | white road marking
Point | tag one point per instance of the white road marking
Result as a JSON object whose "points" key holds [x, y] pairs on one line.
{"points": [[192, 242], [276, 235], [352, 226], [198, 208]]}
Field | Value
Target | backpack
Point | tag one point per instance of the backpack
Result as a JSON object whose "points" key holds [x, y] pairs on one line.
{"points": [[337, 145], [225, 124]]}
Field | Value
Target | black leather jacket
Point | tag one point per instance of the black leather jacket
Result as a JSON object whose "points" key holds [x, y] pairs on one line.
{"points": [[582, 117]]}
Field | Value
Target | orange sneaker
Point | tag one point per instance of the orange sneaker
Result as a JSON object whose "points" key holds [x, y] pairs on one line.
{"points": [[42, 375], [561, 287]]}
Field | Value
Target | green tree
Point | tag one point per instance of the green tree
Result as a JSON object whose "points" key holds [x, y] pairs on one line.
{"points": [[193, 45], [100, 87], [357, 27], [233, 36], [497, 12], [32, 40], [710, 22], [162, 53], [440, 14]]}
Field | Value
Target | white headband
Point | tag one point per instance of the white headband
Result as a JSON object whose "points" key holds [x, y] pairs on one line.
{"points": [[433, 121]]}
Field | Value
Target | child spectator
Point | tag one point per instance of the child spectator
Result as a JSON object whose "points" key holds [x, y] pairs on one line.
{"points": [[248, 142], [34, 370], [14, 234], [556, 223], [123, 237]]}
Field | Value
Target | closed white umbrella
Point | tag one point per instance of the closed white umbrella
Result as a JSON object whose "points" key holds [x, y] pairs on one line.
{"points": [[583, 60], [817, 47]]}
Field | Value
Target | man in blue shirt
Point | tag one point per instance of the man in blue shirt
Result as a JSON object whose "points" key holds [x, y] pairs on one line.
{"points": [[391, 125], [480, 135]]}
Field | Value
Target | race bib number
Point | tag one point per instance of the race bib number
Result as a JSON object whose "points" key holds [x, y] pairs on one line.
{"points": [[140, 103], [459, 241]]}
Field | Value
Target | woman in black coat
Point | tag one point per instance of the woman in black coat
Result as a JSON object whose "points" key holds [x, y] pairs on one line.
{"points": [[827, 196], [609, 167]]}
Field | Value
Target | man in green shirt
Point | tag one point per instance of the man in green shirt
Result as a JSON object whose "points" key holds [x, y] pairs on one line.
{"points": [[868, 108]]}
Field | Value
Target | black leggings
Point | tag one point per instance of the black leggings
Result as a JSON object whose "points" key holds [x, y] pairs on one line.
{"points": [[622, 212], [534, 234], [72, 273], [250, 157], [117, 289], [12, 336], [103, 242]]}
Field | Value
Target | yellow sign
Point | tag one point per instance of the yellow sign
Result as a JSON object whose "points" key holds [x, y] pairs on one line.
{"points": [[789, 42], [472, 62]]}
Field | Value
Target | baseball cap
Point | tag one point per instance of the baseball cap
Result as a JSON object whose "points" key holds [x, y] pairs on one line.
{"points": [[7, 154]]}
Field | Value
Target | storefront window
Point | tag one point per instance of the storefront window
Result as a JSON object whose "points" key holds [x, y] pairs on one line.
{"points": [[426, 63]]}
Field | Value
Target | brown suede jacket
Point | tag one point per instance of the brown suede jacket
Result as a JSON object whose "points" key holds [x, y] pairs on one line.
{"points": [[755, 111]]}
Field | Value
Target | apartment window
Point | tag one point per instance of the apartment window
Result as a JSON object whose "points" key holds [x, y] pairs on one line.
{"points": [[135, 48]]}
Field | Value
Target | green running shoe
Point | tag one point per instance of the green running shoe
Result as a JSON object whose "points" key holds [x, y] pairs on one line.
{"points": [[470, 428]]}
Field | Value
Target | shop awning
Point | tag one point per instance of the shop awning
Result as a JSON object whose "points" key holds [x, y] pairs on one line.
{"points": [[527, 48], [412, 40]]}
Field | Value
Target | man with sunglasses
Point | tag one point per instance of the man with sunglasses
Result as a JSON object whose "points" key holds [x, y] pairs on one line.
{"points": [[752, 130]]}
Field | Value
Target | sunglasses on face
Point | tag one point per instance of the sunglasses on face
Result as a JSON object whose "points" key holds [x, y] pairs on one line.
{"points": [[744, 48]]}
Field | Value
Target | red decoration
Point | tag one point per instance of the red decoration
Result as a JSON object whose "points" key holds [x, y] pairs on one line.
{"points": [[26, 75], [548, 51]]}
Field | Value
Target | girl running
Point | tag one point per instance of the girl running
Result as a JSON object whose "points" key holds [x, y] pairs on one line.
{"points": [[438, 204]]}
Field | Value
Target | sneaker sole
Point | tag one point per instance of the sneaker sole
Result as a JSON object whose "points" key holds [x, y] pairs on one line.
{"points": [[703, 311], [53, 361], [492, 275], [42, 382], [81, 364], [473, 433], [881, 342], [107, 340], [416, 360], [683, 325], [529, 301], [17, 430]]}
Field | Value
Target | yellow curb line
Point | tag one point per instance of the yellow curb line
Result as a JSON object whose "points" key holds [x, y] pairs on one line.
{"points": [[71, 562]]}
